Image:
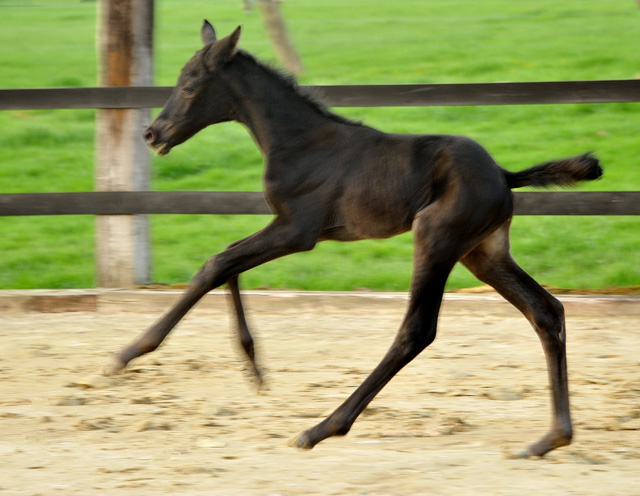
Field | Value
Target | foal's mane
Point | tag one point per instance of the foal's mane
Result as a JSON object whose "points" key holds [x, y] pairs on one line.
{"points": [[313, 97]]}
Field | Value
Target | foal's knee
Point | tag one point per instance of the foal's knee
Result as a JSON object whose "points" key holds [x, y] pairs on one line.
{"points": [[414, 338]]}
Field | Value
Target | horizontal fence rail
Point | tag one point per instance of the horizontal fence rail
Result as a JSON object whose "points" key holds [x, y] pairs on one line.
{"points": [[398, 95], [218, 202], [210, 202]]}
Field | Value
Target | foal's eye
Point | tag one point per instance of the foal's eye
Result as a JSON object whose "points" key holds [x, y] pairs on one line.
{"points": [[188, 90]]}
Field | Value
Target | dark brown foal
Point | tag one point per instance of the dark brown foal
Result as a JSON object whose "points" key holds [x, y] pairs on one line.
{"points": [[328, 178]]}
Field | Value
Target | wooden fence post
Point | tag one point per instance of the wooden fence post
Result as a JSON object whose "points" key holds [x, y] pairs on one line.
{"points": [[125, 58]]}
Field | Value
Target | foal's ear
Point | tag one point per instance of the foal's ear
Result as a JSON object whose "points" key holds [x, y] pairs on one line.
{"points": [[232, 43], [207, 33], [222, 51]]}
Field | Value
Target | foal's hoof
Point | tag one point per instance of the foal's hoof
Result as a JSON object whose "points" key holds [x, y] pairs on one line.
{"points": [[521, 455], [301, 441], [262, 386], [257, 379], [113, 367], [553, 440]]}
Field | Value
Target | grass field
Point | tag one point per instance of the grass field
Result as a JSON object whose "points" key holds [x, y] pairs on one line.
{"points": [[50, 43]]}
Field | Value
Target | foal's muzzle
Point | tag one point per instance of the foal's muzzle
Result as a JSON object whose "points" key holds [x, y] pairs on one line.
{"points": [[153, 141], [149, 136]]}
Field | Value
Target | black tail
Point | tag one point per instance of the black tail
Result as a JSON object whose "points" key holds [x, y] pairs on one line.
{"points": [[564, 172]]}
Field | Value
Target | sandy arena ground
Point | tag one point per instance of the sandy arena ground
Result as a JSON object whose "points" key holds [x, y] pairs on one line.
{"points": [[186, 420]]}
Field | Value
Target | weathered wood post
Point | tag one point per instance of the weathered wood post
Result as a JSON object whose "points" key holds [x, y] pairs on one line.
{"points": [[125, 58]]}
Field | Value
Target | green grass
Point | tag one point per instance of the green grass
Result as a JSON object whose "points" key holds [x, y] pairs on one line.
{"points": [[48, 44]]}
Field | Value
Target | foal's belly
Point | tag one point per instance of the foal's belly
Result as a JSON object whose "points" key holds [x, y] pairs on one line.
{"points": [[372, 216]]}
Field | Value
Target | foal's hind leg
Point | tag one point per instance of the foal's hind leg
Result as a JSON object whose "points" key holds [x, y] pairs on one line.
{"points": [[491, 263], [437, 249]]}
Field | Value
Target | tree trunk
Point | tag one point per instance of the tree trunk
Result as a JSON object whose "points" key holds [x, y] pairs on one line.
{"points": [[277, 32]]}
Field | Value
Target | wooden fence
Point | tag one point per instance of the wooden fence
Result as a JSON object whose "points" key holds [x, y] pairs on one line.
{"points": [[253, 203], [397, 95], [146, 202]]}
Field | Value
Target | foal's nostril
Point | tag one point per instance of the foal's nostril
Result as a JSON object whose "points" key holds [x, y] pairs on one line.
{"points": [[149, 136]]}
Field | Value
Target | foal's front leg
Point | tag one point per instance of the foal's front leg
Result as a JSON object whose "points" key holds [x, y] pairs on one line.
{"points": [[276, 240], [244, 335]]}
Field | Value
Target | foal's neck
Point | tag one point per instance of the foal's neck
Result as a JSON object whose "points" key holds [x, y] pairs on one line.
{"points": [[273, 109]]}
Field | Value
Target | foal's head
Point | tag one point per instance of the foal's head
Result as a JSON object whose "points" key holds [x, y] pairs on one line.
{"points": [[200, 97]]}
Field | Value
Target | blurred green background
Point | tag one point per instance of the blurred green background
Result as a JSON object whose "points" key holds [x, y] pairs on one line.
{"points": [[52, 44]]}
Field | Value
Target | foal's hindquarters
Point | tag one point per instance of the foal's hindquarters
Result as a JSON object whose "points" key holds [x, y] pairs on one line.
{"points": [[469, 222]]}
